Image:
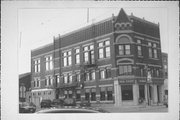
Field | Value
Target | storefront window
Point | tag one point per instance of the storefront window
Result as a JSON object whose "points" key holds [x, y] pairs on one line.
{"points": [[102, 94], [70, 94], [65, 94], [109, 93], [87, 94], [127, 92], [93, 95], [78, 95]]}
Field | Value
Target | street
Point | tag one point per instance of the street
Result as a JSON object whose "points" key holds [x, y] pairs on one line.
{"points": [[137, 109], [141, 109]]}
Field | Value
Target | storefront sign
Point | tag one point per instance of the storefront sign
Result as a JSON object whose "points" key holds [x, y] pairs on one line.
{"points": [[158, 81], [141, 81], [126, 81]]}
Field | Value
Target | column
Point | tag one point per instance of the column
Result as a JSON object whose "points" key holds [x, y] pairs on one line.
{"points": [[154, 96], [161, 92], [116, 93], [135, 94], [146, 93]]}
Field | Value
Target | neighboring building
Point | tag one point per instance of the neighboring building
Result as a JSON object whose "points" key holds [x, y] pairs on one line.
{"points": [[25, 87], [115, 61], [165, 71]]}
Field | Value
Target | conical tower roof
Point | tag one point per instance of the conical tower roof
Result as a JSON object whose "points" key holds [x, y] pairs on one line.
{"points": [[122, 16]]}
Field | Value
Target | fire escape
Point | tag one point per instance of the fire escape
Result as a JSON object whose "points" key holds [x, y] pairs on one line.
{"points": [[84, 67], [91, 63]]}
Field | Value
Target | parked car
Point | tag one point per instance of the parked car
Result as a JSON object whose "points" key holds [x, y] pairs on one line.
{"points": [[68, 109], [45, 103], [85, 103], [27, 107], [57, 102], [69, 102], [101, 110]]}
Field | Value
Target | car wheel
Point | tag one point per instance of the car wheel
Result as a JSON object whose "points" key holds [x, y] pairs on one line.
{"points": [[31, 110]]}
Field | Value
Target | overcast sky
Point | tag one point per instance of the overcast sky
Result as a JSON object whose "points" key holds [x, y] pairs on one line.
{"points": [[38, 26]]}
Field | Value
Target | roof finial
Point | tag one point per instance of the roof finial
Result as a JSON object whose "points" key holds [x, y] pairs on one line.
{"points": [[113, 18]]}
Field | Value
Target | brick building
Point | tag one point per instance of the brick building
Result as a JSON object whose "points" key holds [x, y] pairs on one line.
{"points": [[24, 87], [165, 71], [115, 61]]}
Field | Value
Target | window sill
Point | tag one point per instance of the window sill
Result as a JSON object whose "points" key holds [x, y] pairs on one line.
{"points": [[67, 66], [77, 64], [36, 87], [49, 70], [127, 100], [154, 58], [107, 101], [93, 101], [100, 59], [89, 81], [140, 56], [124, 55], [36, 73], [105, 79]]}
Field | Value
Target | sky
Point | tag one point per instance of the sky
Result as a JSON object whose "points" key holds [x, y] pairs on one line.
{"points": [[37, 27]]}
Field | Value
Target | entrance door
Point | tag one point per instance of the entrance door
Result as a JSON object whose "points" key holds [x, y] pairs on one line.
{"points": [[150, 92], [158, 93], [141, 91]]}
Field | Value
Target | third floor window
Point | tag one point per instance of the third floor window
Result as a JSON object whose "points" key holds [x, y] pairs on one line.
{"points": [[77, 56], [49, 63], [88, 53], [104, 49], [124, 50], [67, 59], [37, 65]]}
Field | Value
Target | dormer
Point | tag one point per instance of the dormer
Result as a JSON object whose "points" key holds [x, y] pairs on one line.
{"points": [[122, 21]]}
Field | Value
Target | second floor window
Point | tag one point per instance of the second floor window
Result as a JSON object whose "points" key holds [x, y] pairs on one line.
{"points": [[37, 82], [48, 81], [105, 73], [150, 52], [90, 75], [37, 65], [124, 50], [57, 79], [155, 53], [67, 59], [102, 74], [139, 51], [49, 63], [77, 77], [125, 70], [68, 78]]}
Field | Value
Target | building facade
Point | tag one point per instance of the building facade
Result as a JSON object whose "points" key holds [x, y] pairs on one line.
{"points": [[25, 87], [165, 72], [116, 61]]}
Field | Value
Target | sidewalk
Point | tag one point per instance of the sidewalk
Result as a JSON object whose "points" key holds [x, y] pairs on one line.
{"points": [[142, 108]]}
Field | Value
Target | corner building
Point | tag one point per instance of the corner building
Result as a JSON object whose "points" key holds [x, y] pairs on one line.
{"points": [[116, 61]]}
